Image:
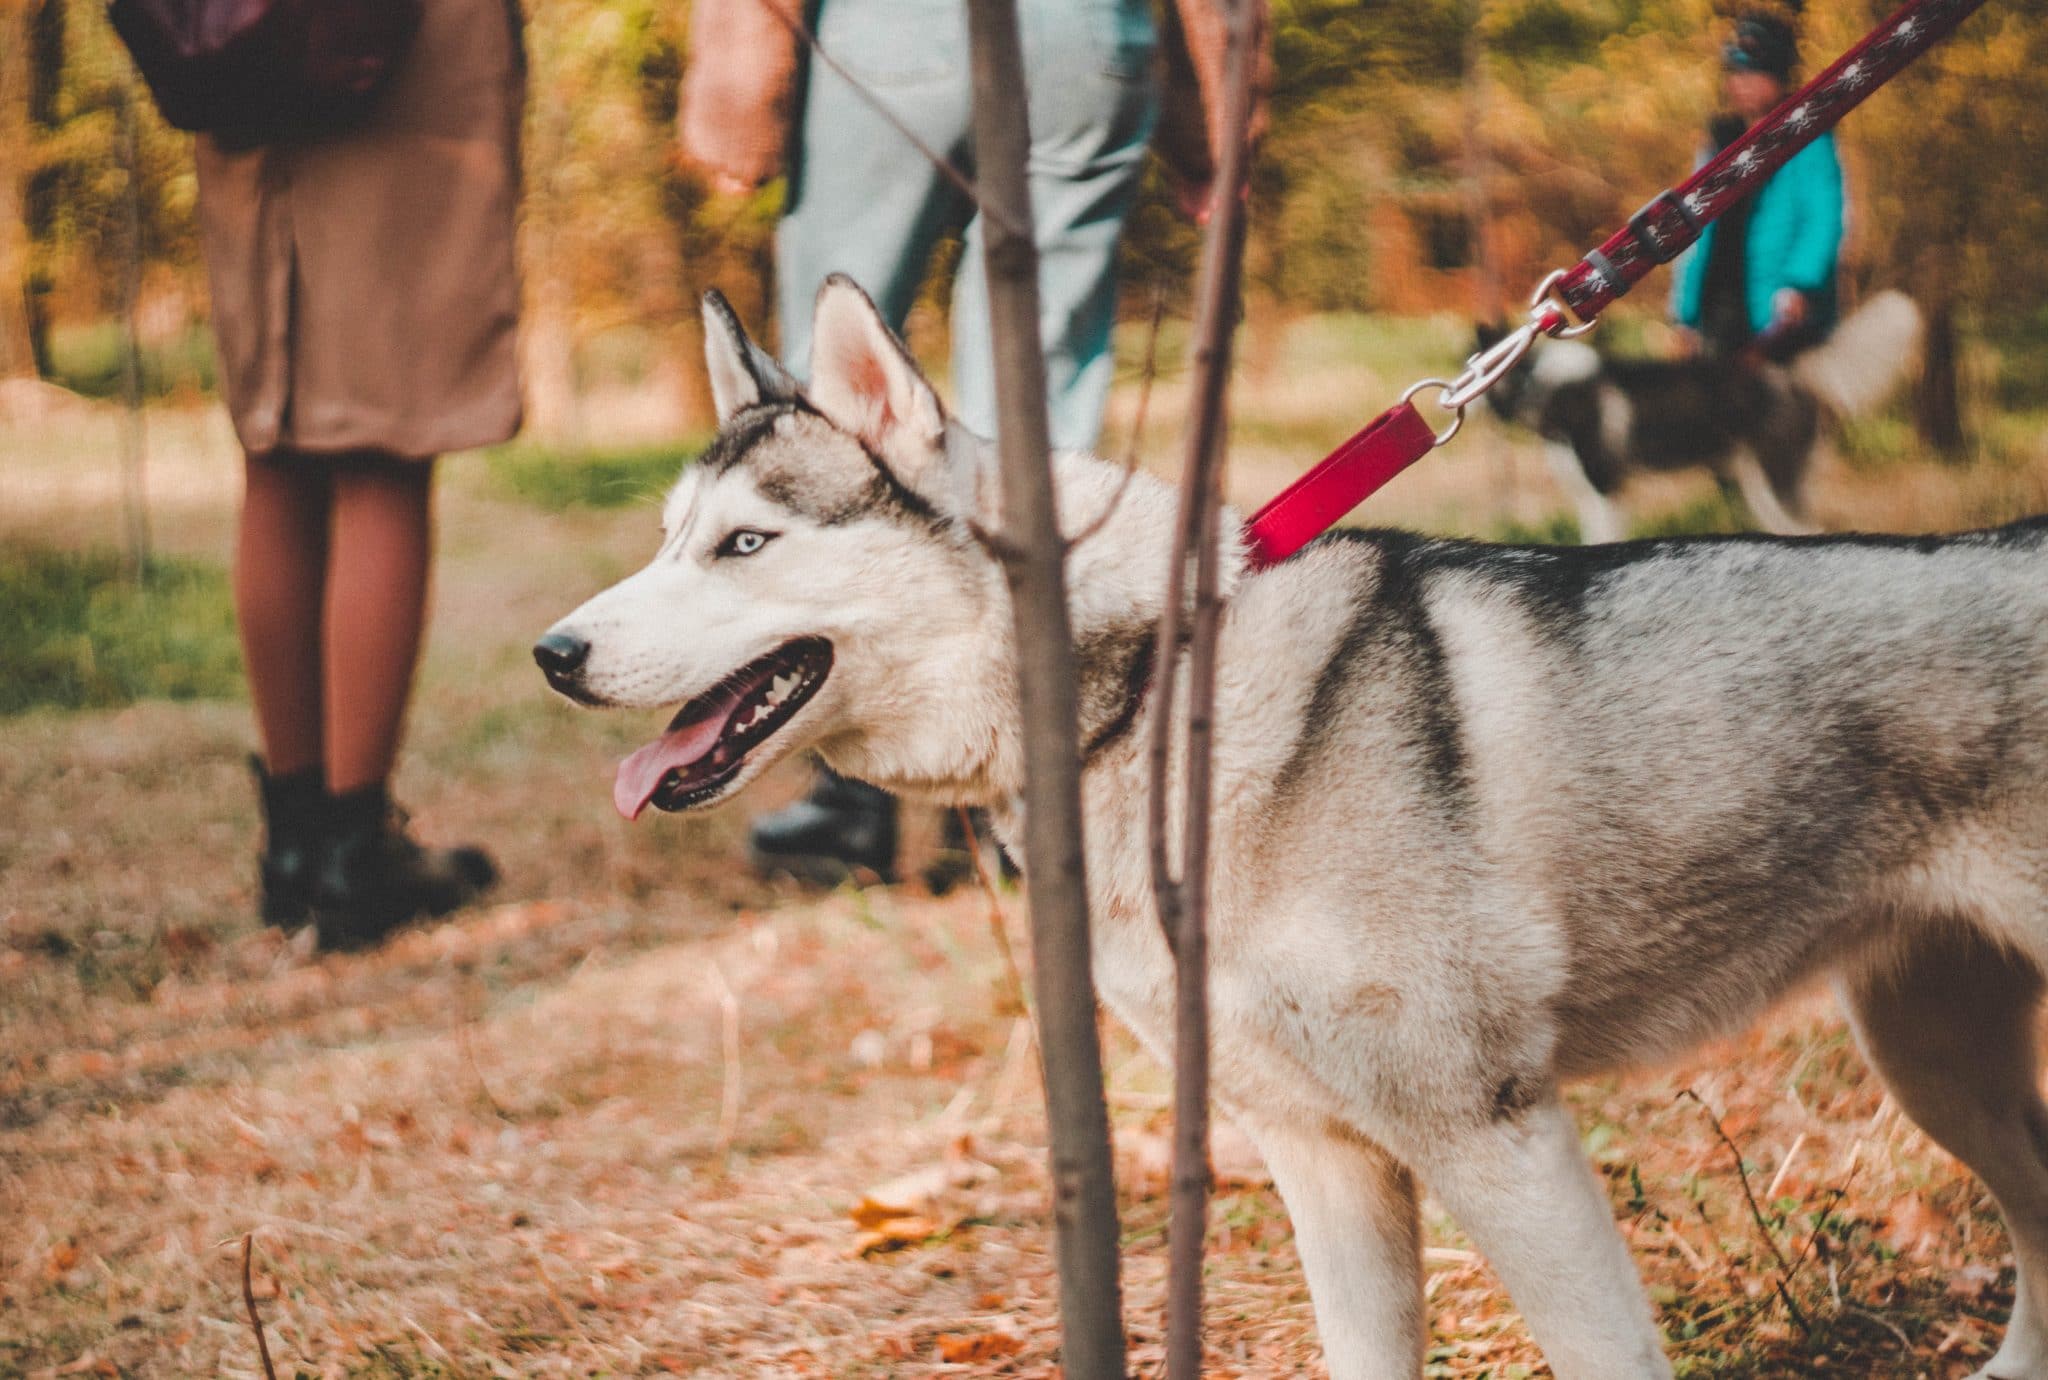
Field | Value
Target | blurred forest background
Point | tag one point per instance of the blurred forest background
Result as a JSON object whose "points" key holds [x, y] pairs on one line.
{"points": [[639, 1114], [1424, 156]]}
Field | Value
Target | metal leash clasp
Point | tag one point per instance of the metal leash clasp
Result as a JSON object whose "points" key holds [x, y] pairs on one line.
{"points": [[1489, 366], [1550, 314], [1492, 364], [1482, 371]]}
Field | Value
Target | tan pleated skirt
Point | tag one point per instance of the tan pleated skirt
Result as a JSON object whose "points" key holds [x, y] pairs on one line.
{"points": [[365, 285]]}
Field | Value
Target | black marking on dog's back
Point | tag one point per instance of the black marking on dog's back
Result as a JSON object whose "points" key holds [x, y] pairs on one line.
{"points": [[1391, 634], [1137, 684], [1555, 583]]}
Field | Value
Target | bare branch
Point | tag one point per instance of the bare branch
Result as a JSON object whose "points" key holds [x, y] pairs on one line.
{"points": [[464, 1038], [729, 1048], [1013, 1003], [567, 1314], [944, 165], [1756, 1213], [1101, 519], [1183, 903], [995, 543], [255, 1318]]}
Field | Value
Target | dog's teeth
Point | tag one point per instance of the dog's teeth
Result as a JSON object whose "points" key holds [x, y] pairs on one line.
{"points": [[783, 685]]}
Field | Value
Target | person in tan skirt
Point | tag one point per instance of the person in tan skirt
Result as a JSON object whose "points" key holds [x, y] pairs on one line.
{"points": [[365, 303]]}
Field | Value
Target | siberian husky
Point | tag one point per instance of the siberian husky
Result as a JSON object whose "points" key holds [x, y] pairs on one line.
{"points": [[1488, 818], [1753, 423]]}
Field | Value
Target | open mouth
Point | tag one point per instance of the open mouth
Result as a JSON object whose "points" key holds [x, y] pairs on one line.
{"points": [[709, 739]]}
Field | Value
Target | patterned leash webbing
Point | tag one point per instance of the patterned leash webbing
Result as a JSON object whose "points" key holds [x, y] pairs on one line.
{"points": [[1675, 219], [1657, 234]]}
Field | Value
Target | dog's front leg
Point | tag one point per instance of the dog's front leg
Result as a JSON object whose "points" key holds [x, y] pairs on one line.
{"points": [[1522, 1189], [1359, 1234]]}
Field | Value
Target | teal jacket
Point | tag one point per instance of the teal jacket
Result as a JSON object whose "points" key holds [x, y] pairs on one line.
{"points": [[1795, 241]]}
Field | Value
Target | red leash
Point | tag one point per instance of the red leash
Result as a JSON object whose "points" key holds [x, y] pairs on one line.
{"points": [[1657, 234]]}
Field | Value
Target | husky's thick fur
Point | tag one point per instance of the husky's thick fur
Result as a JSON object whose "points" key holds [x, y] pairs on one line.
{"points": [[1487, 818], [1754, 424]]}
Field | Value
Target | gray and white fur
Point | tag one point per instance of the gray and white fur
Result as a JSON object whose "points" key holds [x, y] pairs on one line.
{"points": [[1488, 818], [1753, 424]]}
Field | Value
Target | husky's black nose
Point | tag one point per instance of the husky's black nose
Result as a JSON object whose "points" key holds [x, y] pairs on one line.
{"points": [[559, 654]]}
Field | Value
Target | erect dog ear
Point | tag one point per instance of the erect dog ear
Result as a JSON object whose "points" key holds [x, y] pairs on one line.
{"points": [[865, 383], [742, 373]]}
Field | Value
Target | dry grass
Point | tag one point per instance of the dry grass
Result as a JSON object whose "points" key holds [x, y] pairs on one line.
{"points": [[619, 1123]]}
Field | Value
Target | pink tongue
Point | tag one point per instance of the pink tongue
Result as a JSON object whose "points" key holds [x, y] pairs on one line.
{"points": [[641, 774]]}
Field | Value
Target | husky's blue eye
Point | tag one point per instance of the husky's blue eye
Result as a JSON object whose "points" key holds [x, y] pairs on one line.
{"points": [[744, 542]]}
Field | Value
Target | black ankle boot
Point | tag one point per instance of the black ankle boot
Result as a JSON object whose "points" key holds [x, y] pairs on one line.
{"points": [[840, 828], [372, 878], [294, 825]]}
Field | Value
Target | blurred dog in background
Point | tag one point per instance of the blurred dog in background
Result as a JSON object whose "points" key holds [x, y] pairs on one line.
{"points": [[1754, 424]]}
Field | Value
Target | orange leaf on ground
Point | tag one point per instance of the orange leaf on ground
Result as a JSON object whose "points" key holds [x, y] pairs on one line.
{"points": [[987, 1346]]}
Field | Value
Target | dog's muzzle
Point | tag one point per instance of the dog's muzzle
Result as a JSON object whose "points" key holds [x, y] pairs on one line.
{"points": [[560, 657]]}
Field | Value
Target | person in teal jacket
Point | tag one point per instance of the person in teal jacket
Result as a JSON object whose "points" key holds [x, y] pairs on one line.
{"points": [[1765, 273]]}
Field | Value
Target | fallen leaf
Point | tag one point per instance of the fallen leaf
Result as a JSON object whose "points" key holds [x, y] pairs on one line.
{"points": [[62, 1258], [987, 1346], [914, 1207], [894, 1233]]}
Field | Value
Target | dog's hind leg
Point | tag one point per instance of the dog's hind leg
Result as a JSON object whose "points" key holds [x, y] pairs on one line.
{"points": [[1359, 1233], [1951, 1028], [1773, 511], [1600, 520], [1523, 1190]]}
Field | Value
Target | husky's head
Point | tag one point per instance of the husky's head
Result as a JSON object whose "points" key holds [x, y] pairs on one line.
{"points": [[818, 584]]}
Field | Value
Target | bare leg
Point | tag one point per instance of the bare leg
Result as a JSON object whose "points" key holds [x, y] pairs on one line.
{"points": [[1523, 1190], [1951, 1029], [375, 613], [1356, 1226], [280, 580]]}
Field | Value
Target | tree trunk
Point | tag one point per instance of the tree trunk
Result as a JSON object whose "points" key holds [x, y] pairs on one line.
{"points": [[17, 340], [1478, 212], [1938, 407], [1085, 1233], [548, 364]]}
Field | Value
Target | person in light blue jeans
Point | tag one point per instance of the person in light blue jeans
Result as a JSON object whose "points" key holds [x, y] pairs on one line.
{"points": [[865, 201]]}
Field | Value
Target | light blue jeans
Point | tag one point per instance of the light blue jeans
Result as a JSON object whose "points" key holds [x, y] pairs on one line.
{"points": [[865, 203]]}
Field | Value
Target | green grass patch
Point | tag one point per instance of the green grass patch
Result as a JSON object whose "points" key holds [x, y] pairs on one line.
{"points": [[557, 480], [74, 634], [1391, 346], [1559, 529], [1718, 512], [89, 359]]}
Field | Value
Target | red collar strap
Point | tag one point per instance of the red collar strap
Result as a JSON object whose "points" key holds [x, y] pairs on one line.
{"points": [[1655, 235]]}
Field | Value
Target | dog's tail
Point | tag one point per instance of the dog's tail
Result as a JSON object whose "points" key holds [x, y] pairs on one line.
{"points": [[1867, 357]]}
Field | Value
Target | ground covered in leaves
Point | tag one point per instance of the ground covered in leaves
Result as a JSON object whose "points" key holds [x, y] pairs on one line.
{"points": [[646, 1115]]}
